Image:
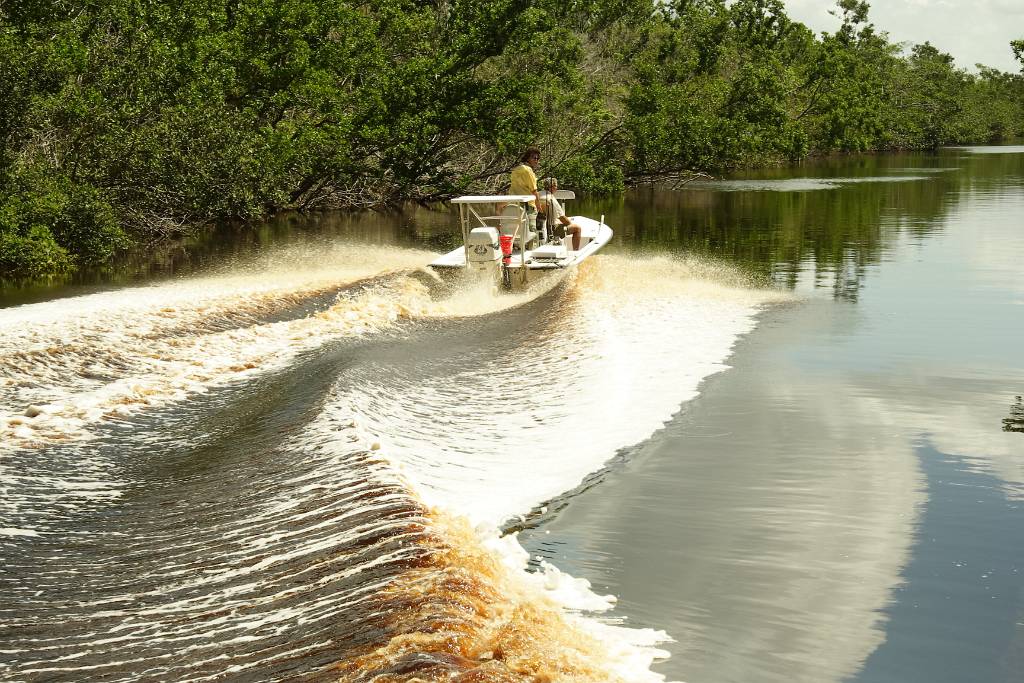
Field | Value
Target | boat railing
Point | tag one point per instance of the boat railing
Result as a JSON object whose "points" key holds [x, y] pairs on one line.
{"points": [[469, 217]]}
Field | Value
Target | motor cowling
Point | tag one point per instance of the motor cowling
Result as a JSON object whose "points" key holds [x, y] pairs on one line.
{"points": [[482, 247]]}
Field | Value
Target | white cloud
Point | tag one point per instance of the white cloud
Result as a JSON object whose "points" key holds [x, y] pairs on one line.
{"points": [[973, 32]]}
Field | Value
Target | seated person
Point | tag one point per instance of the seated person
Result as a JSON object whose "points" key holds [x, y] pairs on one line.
{"points": [[556, 214]]}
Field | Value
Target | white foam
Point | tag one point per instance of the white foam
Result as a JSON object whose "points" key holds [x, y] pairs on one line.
{"points": [[627, 652], [525, 424], [10, 531], [70, 364], [615, 357]]}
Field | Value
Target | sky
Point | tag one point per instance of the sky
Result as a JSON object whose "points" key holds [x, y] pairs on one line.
{"points": [[971, 30]]}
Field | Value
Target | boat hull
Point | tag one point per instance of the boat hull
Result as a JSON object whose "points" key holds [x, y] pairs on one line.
{"points": [[521, 272]]}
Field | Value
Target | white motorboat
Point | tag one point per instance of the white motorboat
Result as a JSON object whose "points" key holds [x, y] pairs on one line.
{"points": [[497, 241]]}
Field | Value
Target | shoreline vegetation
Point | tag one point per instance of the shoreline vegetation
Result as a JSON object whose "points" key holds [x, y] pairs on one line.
{"points": [[126, 122]]}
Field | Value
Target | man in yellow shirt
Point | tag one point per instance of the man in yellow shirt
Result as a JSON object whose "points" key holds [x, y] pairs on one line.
{"points": [[524, 181]]}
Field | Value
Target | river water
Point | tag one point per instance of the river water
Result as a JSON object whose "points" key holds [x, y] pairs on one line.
{"points": [[773, 433]]}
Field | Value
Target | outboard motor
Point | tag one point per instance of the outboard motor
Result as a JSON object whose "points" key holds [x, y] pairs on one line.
{"points": [[483, 252]]}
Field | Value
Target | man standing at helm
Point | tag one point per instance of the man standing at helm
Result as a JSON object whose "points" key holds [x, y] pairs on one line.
{"points": [[524, 181]]}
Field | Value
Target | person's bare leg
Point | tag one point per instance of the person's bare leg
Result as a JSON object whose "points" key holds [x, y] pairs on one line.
{"points": [[575, 238]]}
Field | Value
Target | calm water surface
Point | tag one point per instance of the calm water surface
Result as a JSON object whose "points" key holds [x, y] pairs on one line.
{"points": [[842, 503]]}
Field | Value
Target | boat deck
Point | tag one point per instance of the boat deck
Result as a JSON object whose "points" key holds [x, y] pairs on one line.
{"points": [[594, 235]]}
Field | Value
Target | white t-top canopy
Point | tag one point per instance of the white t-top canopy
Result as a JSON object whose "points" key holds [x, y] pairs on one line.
{"points": [[493, 199]]}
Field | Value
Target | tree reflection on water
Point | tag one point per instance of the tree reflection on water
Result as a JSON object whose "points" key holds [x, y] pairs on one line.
{"points": [[831, 219], [1015, 423]]}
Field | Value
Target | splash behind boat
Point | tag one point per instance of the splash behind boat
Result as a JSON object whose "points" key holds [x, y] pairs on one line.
{"points": [[497, 241]]}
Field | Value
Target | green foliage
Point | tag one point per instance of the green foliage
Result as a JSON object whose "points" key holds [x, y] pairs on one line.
{"points": [[32, 254], [598, 173], [142, 117], [50, 225]]}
